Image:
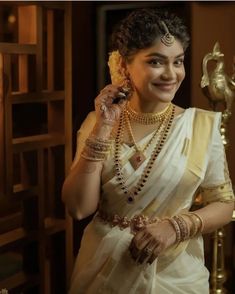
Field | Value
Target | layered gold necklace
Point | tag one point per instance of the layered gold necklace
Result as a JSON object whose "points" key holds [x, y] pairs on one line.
{"points": [[139, 157], [162, 131], [149, 117]]}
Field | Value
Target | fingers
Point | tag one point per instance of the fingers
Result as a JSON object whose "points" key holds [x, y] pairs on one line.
{"points": [[111, 94], [143, 248], [109, 103], [150, 242]]}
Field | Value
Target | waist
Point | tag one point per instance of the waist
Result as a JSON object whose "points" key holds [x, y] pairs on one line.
{"points": [[135, 223]]}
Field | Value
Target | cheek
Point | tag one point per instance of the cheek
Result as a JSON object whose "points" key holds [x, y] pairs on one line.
{"points": [[182, 74], [139, 78]]}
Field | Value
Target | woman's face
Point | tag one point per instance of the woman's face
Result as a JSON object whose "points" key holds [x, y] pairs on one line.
{"points": [[157, 72]]}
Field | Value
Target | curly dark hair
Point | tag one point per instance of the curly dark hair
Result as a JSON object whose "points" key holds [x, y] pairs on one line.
{"points": [[142, 27]]}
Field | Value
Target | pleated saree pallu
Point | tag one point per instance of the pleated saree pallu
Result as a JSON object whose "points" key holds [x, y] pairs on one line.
{"points": [[192, 157]]}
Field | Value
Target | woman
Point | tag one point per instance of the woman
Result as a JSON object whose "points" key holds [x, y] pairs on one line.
{"points": [[139, 164]]}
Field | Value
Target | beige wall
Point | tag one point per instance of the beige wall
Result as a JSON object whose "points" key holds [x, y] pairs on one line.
{"points": [[213, 22]]}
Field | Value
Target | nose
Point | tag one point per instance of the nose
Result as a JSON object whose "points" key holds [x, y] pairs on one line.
{"points": [[168, 73]]}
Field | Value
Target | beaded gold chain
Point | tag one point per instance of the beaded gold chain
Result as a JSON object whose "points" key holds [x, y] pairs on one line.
{"points": [[163, 133], [138, 158], [147, 118]]}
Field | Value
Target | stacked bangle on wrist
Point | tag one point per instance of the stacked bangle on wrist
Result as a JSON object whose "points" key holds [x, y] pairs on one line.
{"points": [[96, 149], [186, 230]]}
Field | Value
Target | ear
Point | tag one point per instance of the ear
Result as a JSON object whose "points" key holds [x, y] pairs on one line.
{"points": [[124, 66]]}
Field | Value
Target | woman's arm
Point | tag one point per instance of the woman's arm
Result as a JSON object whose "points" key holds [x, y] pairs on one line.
{"points": [[215, 215], [81, 188], [157, 237]]}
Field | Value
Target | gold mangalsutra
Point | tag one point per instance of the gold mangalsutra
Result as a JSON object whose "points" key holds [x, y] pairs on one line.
{"points": [[148, 118], [138, 158], [163, 134]]}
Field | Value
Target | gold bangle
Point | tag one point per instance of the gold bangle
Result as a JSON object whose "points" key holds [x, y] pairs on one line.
{"points": [[176, 227], [91, 158], [193, 229], [184, 230], [199, 220]]}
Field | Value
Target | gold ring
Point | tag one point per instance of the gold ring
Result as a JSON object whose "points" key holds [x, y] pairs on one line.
{"points": [[148, 251], [103, 108]]}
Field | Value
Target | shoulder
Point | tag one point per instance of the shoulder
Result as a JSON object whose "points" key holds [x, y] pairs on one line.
{"points": [[206, 116], [206, 123], [205, 112]]}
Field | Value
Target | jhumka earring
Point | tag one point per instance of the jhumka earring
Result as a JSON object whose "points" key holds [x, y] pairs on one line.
{"points": [[167, 39]]}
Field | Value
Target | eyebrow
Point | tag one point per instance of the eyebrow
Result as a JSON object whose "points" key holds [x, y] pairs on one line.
{"points": [[163, 56]]}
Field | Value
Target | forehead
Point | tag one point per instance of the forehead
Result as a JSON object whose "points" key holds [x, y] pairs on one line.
{"points": [[158, 47]]}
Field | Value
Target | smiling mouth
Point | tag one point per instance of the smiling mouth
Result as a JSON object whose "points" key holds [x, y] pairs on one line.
{"points": [[165, 87]]}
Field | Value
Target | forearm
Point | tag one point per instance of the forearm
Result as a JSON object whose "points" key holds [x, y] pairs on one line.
{"points": [[215, 215], [81, 189]]}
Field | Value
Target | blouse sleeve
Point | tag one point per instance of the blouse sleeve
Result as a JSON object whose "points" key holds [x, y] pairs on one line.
{"points": [[82, 134], [217, 185]]}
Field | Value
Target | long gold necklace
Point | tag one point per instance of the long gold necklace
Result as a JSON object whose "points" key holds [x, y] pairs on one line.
{"points": [[139, 157], [147, 118], [163, 133]]}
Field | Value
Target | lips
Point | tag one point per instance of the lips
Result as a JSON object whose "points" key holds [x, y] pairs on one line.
{"points": [[165, 86]]}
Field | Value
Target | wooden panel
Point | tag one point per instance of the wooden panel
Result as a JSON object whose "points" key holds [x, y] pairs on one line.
{"points": [[68, 134], [11, 48], [50, 50], [17, 97], [23, 73], [8, 124], [2, 160], [12, 236], [27, 18], [34, 180], [17, 280], [37, 142]]}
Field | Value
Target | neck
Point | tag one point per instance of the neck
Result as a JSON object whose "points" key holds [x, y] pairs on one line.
{"points": [[147, 106]]}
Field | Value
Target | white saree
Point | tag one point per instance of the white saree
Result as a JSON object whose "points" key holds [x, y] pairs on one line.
{"points": [[192, 157]]}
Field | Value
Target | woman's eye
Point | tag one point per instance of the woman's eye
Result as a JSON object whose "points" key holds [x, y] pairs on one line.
{"points": [[156, 62], [179, 62]]}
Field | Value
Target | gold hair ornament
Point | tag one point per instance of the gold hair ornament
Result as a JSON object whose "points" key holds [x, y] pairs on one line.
{"points": [[168, 39]]}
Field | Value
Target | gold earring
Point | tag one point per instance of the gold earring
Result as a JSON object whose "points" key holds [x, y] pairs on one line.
{"points": [[127, 84]]}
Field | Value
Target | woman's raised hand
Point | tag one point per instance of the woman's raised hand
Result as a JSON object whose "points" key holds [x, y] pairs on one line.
{"points": [[109, 104], [151, 241]]}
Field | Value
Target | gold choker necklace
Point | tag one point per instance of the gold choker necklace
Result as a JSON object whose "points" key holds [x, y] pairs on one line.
{"points": [[148, 118]]}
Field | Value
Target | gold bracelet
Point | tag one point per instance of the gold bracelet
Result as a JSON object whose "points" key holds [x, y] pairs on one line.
{"points": [[176, 227], [193, 229], [91, 158], [199, 221], [184, 229]]}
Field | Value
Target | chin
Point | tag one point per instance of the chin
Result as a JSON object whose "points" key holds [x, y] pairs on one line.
{"points": [[165, 98]]}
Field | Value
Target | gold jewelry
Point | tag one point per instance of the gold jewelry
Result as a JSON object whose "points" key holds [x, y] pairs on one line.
{"points": [[147, 251], [184, 229], [163, 133], [199, 221], [176, 227], [167, 39], [193, 228], [148, 118], [96, 149], [138, 158], [136, 223]]}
